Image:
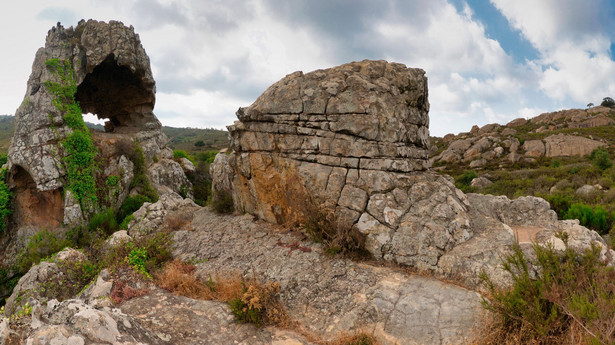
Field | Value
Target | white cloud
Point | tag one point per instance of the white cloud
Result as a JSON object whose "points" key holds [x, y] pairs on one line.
{"points": [[572, 37], [181, 110]]}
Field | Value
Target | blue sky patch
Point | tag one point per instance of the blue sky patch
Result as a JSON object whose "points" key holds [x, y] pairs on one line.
{"points": [[498, 28]]}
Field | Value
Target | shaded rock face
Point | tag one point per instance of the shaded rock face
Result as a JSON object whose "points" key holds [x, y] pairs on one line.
{"points": [[349, 142], [114, 81]]}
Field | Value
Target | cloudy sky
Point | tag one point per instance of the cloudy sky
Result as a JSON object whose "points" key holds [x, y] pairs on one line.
{"points": [[487, 60]]}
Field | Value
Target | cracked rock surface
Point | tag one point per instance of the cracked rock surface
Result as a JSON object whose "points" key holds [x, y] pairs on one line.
{"points": [[330, 294]]}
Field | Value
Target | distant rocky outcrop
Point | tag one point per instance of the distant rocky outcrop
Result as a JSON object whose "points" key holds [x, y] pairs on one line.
{"points": [[113, 79], [351, 143], [494, 142]]}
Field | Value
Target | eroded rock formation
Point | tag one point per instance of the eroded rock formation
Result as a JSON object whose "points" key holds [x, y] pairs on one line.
{"points": [[114, 81], [351, 142]]}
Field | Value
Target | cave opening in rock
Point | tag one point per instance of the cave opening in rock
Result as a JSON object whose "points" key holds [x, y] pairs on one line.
{"points": [[117, 94], [32, 206]]}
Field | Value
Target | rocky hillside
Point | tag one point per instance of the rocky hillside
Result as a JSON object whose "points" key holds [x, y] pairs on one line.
{"points": [[564, 157], [565, 133]]}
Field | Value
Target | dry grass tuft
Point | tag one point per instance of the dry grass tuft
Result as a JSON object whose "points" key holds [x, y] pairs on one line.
{"points": [[250, 299], [177, 221], [359, 338]]}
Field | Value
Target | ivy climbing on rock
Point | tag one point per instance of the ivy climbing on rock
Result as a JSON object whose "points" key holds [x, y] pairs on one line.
{"points": [[79, 150]]}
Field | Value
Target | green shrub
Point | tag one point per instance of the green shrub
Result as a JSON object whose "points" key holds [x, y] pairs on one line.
{"points": [[207, 156], [127, 219], [244, 314], [140, 179], [137, 257], [6, 208], [570, 288], [464, 180], [182, 154], [41, 245], [560, 202], [130, 205], [600, 158], [201, 183], [596, 217], [105, 221]]}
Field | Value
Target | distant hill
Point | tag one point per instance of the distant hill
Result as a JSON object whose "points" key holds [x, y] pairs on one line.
{"points": [[191, 140], [7, 128]]}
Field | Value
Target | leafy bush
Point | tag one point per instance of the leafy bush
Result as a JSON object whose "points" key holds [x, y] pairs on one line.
{"points": [[5, 201], [600, 158], [140, 179], [593, 217], [560, 202], [104, 221], [41, 245], [137, 258], [130, 205], [207, 156], [463, 182], [201, 183], [182, 154], [573, 292]]}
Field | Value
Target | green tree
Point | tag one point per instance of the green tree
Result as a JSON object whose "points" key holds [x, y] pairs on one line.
{"points": [[608, 102], [199, 143], [600, 158]]}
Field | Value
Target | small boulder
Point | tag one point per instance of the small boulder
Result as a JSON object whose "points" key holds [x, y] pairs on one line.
{"points": [[534, 148], [586, 190], [507, 132], [479, 163], [187, 165], [480, 182], [517, 122]]}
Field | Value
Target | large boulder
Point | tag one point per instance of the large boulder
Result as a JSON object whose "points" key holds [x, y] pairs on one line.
{"points": [[570, 145], [350, 142]]}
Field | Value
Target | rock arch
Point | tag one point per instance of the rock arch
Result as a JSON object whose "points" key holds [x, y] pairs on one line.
{"points": [[118, 94], [114, 80]]}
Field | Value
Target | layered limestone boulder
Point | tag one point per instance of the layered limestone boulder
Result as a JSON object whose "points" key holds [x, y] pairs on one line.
{"points": [[350, 143], [113, 80]]}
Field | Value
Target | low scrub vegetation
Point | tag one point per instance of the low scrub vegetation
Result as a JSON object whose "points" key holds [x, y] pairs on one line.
{"points": [[336, 237], [557, 298], [557, 180]]}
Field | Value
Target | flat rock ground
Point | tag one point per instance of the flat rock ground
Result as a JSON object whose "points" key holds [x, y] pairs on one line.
{"points": [[326, 294]]}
